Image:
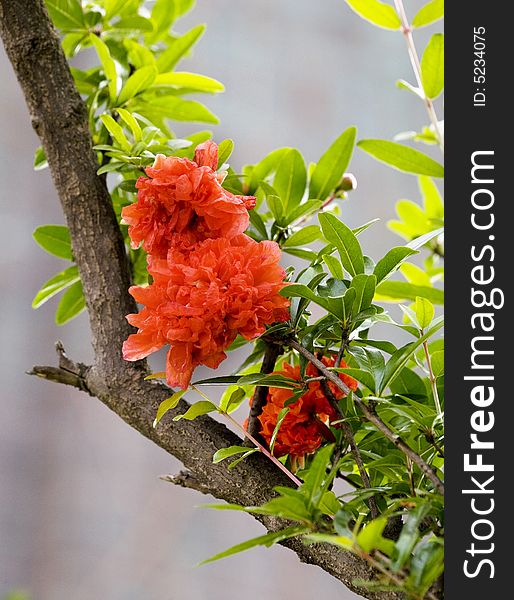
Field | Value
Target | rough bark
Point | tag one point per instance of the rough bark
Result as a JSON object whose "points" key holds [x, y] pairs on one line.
{"points": [[60, 119]]}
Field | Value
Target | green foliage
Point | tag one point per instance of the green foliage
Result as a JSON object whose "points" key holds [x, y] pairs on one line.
{"points": [[432, 66], [376, 12], [134, 93], [402, 157], [428, 14]]}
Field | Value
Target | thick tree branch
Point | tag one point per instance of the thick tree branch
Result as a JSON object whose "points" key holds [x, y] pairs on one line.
{"points": [[60, 119]]}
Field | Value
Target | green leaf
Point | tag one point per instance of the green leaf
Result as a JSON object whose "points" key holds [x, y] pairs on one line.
{"points": [[316, 474], [66, 14], [280, 418], [265, 167], [370, 359], [131, 121], [40, 161], [71, 304], [370, 537], [290, 179], [263, 540], [430, 13], [378, 13], [325, 538], [389, 291], [362, 376], [337, 233], [432, 200], [225, 149], [298, 290], [364, 286], [113, 8], [179, 48], [108, 65], [304, 210], [196, 410], [402, 157], [387, 265], [55, 285], [191, 81], [134, 23], [303, 236], [274, 380], [427, 565], [116, 131], [437, 360], [424, 239], [224, 453], [334, 265], [402, 356], [230, 403], [276, 206], [157, 108], [55, 239], [432, 67], [424, 310], [167, 405], [415, 275], [332, 165], [137, 83], [409, 535], [164, 14], [405, 85]]}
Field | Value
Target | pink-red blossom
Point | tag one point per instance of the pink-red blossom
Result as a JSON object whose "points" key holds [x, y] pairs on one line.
{"points": [[181, 203], [201, 299]]}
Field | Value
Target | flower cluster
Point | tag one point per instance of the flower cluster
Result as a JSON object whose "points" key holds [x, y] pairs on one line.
{"points": [[182, 203], [306, 424], [210, 281]]}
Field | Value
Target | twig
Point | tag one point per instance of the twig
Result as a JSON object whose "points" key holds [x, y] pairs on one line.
{"points": [[432, 378], [416, 66], [348, 433], [371, 416], [260, 396], [264, 450]]}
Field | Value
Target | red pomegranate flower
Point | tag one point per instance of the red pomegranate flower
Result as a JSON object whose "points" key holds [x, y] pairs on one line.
{"points": [[201, 299], [304, 427], [182, 202]]}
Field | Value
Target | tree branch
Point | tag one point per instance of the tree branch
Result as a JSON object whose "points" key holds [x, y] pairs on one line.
{"points": [[260, 395], [350, 439], [60, 119]]}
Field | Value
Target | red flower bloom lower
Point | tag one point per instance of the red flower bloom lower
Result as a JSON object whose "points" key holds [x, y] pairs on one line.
{"points": [[182, 202], [302, 430], [200, 300]]}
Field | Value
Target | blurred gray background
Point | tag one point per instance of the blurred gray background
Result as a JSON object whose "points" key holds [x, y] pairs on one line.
{"points": [[83, 514]]}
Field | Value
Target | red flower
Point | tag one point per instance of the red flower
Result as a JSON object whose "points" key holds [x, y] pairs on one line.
{"points": [[182, 202], [201, 299], [304, 427]]}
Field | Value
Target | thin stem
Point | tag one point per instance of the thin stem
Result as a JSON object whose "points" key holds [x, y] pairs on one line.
{"points": [[433, 380], [260, 396], [356, 453], [416, 66], [265, 451], [372, 417], [258, 444]]}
